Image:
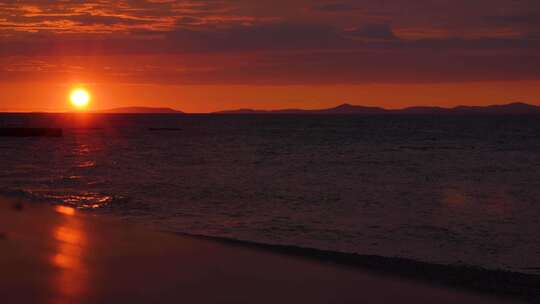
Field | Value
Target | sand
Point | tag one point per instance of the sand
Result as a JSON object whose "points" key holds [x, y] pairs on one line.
{"points": [[59, 255]]}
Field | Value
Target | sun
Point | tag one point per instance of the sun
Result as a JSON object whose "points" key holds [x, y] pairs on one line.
{"points": [[80, 98]]}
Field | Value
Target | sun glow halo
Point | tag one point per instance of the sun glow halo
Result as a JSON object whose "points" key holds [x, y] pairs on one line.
{"points": [[80, 98]]}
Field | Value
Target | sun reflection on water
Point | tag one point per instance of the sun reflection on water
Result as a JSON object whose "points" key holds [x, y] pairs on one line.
{"points": [[70, 282], [65, 210]]}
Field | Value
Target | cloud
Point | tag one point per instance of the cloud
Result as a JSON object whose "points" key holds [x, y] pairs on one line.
{"points": [[265, 37], [272, 36], [373, 31], [83, 19], [337, 7], [268, 42], [509, 20], [110, 16]]}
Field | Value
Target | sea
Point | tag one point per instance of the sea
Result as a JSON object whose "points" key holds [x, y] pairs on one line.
{"points": [[459, 190]]}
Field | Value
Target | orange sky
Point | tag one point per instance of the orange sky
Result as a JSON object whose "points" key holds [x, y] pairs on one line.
{"points": [[209, 55], [208, 98]]}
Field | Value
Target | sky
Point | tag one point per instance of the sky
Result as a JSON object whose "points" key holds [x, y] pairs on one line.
{"points": [[210, 55]]}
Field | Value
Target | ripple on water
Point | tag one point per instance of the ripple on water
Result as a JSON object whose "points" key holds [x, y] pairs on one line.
{"points": [[86, 164], [79, 200], [86, 200]]}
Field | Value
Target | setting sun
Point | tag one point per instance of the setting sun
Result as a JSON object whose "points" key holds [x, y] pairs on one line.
{"points": [[80, 98]]}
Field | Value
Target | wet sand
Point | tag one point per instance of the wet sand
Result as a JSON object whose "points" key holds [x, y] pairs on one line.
{"points": [[58, 255]]}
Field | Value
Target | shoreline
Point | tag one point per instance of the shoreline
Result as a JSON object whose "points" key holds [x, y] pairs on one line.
{"points": [[67, 256], [517, 285]]}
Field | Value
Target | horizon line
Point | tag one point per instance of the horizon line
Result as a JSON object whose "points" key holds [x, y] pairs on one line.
{"points": [[173, 111]]}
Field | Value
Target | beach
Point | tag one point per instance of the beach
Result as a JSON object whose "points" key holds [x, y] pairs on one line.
{"points": [[60, 255]]}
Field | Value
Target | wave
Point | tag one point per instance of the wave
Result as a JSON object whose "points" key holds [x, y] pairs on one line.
{"points": [[79, 200], [524, 286]]}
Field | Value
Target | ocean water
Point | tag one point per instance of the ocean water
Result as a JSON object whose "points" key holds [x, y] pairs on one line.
{"points": [[451, 189]]}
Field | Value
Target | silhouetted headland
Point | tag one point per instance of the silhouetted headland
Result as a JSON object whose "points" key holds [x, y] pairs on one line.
{"points": [[31, 132], [507, 109]]}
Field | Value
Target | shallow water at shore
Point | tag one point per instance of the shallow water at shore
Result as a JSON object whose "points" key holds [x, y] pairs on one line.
{"points": [[457, 190], [66, 256]]}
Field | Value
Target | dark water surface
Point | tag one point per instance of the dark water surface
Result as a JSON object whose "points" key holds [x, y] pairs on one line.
{"points": [[450, 189]]}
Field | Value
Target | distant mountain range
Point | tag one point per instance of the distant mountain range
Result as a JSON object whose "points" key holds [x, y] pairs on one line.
{"points": [[140, 110], [512, 109], [516, 108]]}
